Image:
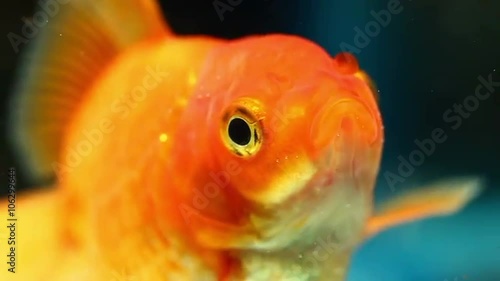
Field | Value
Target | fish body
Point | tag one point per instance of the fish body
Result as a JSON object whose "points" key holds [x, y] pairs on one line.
{"points": [[196, 158]]}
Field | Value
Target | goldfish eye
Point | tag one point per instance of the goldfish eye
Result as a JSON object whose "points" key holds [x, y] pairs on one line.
{"points": [[241, 130]]}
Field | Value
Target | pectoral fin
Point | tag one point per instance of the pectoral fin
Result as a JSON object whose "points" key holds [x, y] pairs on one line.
{"points": [[438, 199]]}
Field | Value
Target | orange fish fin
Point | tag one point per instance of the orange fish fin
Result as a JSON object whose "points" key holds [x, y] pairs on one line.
{"points": [[71, 50], [438, 199]]}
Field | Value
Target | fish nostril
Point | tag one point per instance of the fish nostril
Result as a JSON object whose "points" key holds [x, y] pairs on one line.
{"points": [[346, 63]]}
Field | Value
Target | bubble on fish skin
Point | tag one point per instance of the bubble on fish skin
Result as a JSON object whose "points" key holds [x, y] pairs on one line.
{"points": [[163, 137]]}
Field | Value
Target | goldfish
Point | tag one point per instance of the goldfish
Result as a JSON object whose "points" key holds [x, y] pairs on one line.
{"points": [[174, 157]]}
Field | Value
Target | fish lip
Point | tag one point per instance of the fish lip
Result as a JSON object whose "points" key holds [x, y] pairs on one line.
{"points": [[323, 178], [350, 148], [306, 214]]}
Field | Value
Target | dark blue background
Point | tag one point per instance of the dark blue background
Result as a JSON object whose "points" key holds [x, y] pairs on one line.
{"points": [[426, 59]]}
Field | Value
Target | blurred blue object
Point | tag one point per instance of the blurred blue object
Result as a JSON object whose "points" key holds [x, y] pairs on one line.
{"points": [[414, 62], [462, 247]]}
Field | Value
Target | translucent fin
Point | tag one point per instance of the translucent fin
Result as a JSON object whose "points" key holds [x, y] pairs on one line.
{"points": [[439, 199], [79, 40]]}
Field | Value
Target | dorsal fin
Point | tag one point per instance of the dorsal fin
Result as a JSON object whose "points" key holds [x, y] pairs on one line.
{"points": [[79, 40]]}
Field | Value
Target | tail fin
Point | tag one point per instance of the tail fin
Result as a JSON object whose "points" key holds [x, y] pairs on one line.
{"points": [[80, 38]]}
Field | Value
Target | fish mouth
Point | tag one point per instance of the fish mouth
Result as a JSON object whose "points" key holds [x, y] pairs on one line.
{"points": [[347, 133], [335, 196], [325, 206]]}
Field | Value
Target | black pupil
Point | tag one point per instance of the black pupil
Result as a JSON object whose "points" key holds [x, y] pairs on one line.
{"points": [[239, 131]]}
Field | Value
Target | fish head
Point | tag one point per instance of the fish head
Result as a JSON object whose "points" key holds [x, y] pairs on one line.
{"points": [[288, 144]]}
